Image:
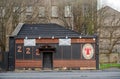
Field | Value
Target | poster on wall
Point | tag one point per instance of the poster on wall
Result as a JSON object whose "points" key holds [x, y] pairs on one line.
{"points": [[64, 42], [88, 51], [29, 42]]}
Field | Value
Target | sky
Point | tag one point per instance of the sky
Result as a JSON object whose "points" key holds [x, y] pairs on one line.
{"points": [[113, 3]]}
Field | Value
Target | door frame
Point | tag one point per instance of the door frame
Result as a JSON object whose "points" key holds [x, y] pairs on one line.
{"points": [[50, 60], [48, 49]]}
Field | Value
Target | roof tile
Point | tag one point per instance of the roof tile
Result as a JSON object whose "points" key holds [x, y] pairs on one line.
{"points": [[45, 31]]}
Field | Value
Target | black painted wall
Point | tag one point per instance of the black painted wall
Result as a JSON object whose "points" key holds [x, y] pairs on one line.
{"points": [[73, 52], [11, 55], [62, 52]]}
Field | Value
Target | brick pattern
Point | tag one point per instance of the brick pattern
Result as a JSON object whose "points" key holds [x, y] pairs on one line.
{"points": [[57, 63], [82, 41], [19, 41], [74, 63], [28, 63], [47, 40]]}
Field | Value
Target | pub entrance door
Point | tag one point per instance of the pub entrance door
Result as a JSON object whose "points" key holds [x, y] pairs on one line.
{"points": [[47, 56], [47, 60]]}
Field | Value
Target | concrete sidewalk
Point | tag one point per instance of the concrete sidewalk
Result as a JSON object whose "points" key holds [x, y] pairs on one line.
{"points": [[74, 74], [38, 71]]}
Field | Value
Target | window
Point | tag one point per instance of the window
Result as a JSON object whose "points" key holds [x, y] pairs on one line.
{"points": [[41, 11], [29, 10], [86, 8], [68, 12], [54, 11], [2, 12], [15, 9]]}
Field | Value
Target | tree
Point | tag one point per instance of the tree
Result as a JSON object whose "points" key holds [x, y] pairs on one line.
{"points": [[79, 16], [11, 13], [109, 27], [82, 16]]}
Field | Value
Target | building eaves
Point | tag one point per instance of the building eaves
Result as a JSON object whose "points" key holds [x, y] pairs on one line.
{"points": [[17, 29]]}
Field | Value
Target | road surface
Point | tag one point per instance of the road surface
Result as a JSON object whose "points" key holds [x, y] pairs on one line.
{"points": [[61, 75]]}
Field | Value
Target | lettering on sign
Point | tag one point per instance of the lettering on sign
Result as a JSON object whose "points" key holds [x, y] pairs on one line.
{"points": [[37, 52], [88, 51], [28, 50], [19, 48]]}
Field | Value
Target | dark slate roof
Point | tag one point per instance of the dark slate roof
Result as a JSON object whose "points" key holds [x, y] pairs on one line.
{"points": [[45, 31]]}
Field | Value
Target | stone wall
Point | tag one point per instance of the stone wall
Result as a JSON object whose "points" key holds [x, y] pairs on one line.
{"points": [[114, 58]]}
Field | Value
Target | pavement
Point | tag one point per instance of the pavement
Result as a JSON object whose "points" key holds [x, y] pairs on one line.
{"points": [[112, 73], [113, 69]]}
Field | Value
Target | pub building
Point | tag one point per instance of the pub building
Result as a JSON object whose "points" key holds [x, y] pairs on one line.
{"points": [[50, 46]]}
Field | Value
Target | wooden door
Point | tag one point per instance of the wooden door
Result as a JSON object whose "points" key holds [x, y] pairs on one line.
{"points": [[47, 60]]}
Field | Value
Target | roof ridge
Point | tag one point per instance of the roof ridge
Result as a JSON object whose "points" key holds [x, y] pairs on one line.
{"points": [[44, 31]]}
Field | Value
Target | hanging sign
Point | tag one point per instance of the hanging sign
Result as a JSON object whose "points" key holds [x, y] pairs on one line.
{"points": [[64, 42], [88, 51], [29, 42]]}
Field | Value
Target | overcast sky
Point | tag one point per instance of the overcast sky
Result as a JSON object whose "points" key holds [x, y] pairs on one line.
{"points": [[113, 3]]}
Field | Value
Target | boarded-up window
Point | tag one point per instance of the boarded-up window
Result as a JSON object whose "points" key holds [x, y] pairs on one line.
{"points": [[41, 11], [29, 10], [54, 11], [68, 11]]}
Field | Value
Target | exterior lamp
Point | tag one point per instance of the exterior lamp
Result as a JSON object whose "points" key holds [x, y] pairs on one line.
{"points": [[94, 39], [39, 37], [26, 37], [66, 37], [80, 37], [53, 37]]}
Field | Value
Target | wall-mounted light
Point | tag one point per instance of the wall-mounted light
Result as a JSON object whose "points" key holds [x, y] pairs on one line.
{"points": [[53, 37], [80, 36], [26, 37], [94, 39], [66, 37], [39, 37]]}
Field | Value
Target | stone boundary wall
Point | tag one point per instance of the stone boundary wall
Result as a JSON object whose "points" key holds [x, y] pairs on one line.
{"points": [[114, 58]]}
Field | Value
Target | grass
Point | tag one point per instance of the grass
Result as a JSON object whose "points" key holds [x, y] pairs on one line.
{"points": [[105, 66]]}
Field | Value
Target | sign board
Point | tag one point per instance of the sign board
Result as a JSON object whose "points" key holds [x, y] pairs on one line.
{"points": [[29, 42], [64, 42], [88, 51]]}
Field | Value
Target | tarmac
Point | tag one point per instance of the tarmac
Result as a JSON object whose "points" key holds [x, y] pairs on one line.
{"points": [[111, 73]]}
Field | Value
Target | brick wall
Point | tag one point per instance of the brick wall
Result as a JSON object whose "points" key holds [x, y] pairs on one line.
{"points": [[57, 63], [74, 63], [28, 63]]}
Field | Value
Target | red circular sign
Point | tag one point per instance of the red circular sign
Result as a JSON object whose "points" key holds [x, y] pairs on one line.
{"points": [[88, 51]]}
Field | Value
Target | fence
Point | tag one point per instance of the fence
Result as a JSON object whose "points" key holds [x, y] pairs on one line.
{"points": [[4, 61]]}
